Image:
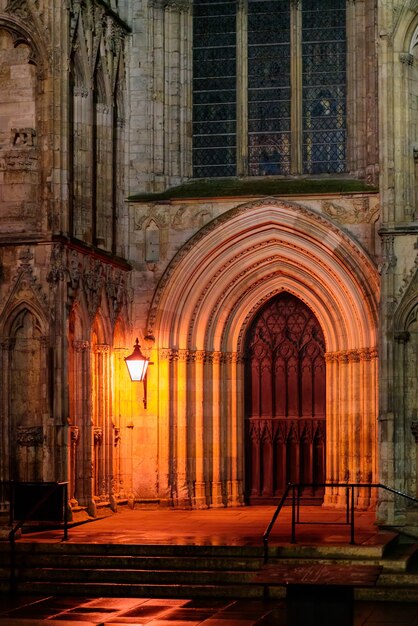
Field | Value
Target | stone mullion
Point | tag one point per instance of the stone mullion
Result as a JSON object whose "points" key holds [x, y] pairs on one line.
{"points": [[104, 177], [156, 115], [405, 170], [356, 97], [78, 183], [118, 185], [84, 170], [186, 97], [172, 87], [242, 89], [296, 126]]}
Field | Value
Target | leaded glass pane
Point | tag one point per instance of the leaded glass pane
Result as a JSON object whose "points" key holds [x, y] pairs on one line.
{"points": [[268, 87], [324, 86], [214, 88]]}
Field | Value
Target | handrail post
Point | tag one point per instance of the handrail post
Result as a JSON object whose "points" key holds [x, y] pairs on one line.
{"points": [[65, 496], [352, 516], [12, 561], [347, 505], [265, 549], [12, 500], [293, 539]]}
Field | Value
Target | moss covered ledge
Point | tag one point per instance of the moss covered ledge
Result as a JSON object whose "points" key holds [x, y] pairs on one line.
{"points": [[236, 187]]}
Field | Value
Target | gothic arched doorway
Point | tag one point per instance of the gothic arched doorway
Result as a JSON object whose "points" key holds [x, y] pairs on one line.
{"points": [[285, 401]]}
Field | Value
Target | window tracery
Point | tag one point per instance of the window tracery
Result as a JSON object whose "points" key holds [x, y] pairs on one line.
{"points": [[269, 87]]}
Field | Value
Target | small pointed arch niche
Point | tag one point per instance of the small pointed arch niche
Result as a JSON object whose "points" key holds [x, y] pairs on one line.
{"points": [[28, 394]]}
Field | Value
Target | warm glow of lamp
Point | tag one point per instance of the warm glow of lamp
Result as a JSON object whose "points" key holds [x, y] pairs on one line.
{"points": [[137, 364]]}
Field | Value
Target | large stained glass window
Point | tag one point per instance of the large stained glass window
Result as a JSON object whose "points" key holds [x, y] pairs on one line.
{"points": [[269, 87]]}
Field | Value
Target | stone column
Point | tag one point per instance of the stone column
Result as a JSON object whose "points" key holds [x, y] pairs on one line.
{"points": [[165, 462], [212, 408], [233, 430], [197, 437]]}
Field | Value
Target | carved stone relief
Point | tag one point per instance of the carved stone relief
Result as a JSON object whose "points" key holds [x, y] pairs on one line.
{"points": [[355, 211], [93, 277]]}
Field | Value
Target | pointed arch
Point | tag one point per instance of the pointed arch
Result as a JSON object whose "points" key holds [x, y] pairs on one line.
{"points": [[204, 304]]}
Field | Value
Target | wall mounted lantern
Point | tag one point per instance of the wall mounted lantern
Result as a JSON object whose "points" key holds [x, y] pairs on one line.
{"points": [[137, 365]]}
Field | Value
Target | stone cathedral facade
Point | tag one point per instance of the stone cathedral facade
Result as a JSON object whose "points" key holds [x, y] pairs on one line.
{"points": [[235, 183]]}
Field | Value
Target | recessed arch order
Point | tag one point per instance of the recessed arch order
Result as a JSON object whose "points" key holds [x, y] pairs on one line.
{"points": [[246, 256], [199, 315]]}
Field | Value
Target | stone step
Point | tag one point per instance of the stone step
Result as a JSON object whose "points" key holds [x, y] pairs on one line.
{"points": [[387, 594], [146, 590], [375, 548], [175, 563], [194, 570], [397, 559], [66, 548], [138, 576]]}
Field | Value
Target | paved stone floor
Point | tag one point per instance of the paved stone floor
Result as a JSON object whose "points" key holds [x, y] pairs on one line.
{"points": [[232, 526], [70, 611], [241, 526]]}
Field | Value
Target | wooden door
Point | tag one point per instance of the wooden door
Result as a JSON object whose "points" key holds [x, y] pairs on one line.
{"points": [[285, 401]]}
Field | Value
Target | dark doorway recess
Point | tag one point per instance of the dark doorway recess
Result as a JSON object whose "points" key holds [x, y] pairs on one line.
{"points": [[285, 401]]}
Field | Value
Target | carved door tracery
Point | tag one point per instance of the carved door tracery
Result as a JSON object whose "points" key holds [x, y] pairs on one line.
{"points": [[285, 400]]}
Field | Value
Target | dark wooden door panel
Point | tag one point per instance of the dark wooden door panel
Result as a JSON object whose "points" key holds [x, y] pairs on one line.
{"points": [[285, 400]]}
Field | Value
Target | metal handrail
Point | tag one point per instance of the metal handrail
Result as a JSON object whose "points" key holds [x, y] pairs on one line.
{"points": [[28, 517], [296, 489]]}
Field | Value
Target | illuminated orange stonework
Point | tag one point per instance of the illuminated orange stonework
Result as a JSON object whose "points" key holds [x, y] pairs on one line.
{"points": [[234, 266]]}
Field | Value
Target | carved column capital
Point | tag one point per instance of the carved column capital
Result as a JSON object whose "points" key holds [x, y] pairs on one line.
{"points": [[102, 348], [80, 345], [97, 436], [74, 435]]}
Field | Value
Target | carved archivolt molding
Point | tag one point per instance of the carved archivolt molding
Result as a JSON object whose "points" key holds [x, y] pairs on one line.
{"points": [[289, 216]]}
